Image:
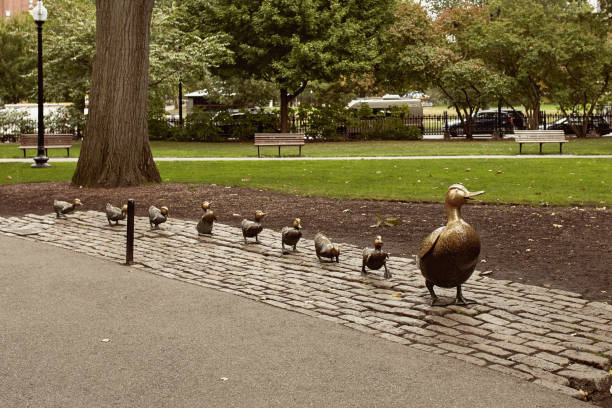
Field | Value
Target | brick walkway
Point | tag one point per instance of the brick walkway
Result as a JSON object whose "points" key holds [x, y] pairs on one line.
{"points": [[550, 337]]}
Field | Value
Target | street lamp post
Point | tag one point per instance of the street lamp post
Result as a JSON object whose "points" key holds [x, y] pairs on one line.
{"points": [[39, 13]]}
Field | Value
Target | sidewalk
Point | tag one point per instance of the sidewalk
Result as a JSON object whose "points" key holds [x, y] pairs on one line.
{"points": [[213, 159], [352, 343]]}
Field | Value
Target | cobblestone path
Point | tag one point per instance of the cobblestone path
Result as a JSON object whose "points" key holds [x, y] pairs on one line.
{"points": [[553, 338]]}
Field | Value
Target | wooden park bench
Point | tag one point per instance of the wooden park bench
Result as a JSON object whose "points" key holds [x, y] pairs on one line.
{"points": [[50, 141], [541, 137], [279, 139]]}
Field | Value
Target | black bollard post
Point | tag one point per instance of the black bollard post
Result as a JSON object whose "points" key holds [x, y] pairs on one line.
{"points": [[129, 248]]}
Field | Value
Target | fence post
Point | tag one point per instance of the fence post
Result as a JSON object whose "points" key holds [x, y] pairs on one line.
{"points": [[446, 132], [129, 247]]}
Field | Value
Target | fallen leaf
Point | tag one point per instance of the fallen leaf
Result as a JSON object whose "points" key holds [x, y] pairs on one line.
{"points": [[468, 169], [399, 295], [486, 273], [483, 260], [392, 221], [105, 340], [528, 250], [498, 172], [346, 210], [245, 179], [9, 177], [557, 225], [263, 298], [224, 378]]}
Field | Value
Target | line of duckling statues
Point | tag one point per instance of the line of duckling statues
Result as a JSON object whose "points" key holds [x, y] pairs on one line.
{"points": [[447, 257]]}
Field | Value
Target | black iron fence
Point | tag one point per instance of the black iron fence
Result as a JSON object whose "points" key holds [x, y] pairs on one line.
{"points": [[484, 124]]}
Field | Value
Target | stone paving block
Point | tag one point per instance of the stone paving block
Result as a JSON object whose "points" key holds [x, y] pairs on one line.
{"points": [[543, 374], [493, 359], [361, 328], [507, 370], [419, 331], [468, 358], [507, 331], [571, 392], [536, 362], [588, 358], [516, 348], [427, 349], [442, 321], [587, 378], [549, 347], [455, 348], [527, 328], [463, 319], [488, 348], [444, 330], [393, 338]]}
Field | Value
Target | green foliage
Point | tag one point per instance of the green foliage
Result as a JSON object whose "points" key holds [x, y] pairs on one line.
{"points": [[324, 122], [18, 59], [69, 47]]}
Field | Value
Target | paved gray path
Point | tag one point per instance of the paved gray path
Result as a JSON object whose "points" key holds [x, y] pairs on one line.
{"points": [[171, 344], [212, 159]]}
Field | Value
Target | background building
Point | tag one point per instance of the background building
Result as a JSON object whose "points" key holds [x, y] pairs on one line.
{"points": [[9, 8]]}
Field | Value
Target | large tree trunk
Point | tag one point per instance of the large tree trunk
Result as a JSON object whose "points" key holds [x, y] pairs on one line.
{"points": [[116, 149]]}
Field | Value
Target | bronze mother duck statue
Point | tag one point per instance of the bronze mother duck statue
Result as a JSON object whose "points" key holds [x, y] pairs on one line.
{"points": [[448, 256]]}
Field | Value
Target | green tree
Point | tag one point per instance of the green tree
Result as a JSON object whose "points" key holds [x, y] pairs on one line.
{"points": [[290, 43], [581, 75], [70, 36], [18, 61], [423, 52]]}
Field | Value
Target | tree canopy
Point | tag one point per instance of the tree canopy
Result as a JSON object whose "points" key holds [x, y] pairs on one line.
{"points": [[290, 43]]}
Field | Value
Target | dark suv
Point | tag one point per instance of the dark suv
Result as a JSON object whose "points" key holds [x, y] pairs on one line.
{"points": [[596, 123], [486, 122]]}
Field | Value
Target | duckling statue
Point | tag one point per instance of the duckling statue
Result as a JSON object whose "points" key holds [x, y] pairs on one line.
{"points": [[291, 235], [64, 207], [325, 248], [205, 225], [115, 214], [157, 216], [252, 229], [375, 258], [448, 256]]}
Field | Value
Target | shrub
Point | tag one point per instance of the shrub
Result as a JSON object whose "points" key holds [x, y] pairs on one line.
{"points": [[14, 123]]}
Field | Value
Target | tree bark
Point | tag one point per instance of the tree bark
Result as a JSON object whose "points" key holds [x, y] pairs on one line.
{"points": [[116, 149]]}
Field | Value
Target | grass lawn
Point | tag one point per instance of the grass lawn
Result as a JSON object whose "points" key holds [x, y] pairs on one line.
{"points": [[349, 149], [531, 181]]}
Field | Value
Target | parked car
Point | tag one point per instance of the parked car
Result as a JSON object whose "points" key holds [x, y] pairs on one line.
{"points": [[596, 123], [243, 125], [486, 122]]}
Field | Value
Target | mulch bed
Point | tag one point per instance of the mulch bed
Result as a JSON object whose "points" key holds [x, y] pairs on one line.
{"points": [[562, 248]]}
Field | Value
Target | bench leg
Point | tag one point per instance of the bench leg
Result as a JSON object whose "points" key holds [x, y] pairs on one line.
{"points": [[47, 152], [560, 148], [541, 148], [68, 151], [258, 152], [278, 151], [24, 154], [520, 148], [300, 151]]}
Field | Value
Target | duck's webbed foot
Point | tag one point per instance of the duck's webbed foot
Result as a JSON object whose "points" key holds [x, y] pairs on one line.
{"points": [[460, 300], [363, 270], [388, 274], [435, 300]]}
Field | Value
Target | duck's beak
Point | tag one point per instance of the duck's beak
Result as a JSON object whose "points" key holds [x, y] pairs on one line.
{"points": [[470, 195]]}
